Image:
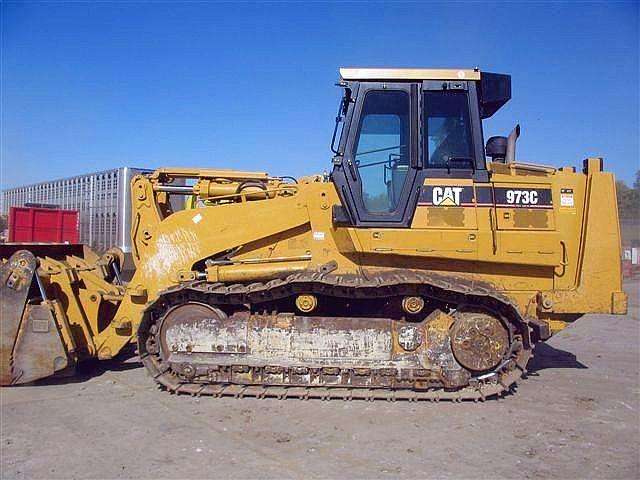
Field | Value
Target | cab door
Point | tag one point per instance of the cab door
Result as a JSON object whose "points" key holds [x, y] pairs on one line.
{"points": [[447, 198]]}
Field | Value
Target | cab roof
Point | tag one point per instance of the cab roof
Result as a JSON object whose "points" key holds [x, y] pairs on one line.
{"points": [[409, 74]]}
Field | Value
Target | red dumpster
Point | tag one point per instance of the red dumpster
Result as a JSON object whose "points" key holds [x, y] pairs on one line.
{"points": [[34, 224]]}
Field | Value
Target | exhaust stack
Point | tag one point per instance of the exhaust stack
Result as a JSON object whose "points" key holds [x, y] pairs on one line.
{"points": [[511, 144]]}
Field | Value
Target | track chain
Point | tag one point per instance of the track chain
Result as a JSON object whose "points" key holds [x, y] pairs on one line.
{"points": [[444, 288]]}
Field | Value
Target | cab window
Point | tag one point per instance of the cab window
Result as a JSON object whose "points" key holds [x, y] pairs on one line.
{"points": [[448, 130], [382, 149]]}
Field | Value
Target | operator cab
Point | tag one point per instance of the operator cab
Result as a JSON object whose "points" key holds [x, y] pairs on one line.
{"points": [[402, 126]]}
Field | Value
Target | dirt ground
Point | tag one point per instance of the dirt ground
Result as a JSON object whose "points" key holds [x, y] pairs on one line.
{"points": [[576, 416]]}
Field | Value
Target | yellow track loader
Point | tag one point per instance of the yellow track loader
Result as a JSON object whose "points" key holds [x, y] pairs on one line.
{"points": [[426, 266]]}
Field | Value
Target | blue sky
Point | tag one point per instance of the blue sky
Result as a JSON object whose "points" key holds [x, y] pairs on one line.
{"points": [[93, 86]]}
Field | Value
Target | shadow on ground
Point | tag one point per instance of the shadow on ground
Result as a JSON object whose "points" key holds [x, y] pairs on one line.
{"points": [[93, 368], [546, 356]]}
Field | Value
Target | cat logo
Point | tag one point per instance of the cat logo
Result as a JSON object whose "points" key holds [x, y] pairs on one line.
{"points": [[446, 196]]}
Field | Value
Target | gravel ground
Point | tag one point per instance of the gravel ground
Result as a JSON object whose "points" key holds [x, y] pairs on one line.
{"points": [[576, 416]]}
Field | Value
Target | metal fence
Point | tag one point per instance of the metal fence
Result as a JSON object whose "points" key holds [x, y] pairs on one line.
{"points": [[102, 200]]}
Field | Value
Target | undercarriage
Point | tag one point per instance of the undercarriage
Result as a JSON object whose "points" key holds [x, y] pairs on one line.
{"points": [[465, 342]]}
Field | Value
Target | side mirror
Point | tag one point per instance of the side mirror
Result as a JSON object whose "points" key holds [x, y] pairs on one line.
{"points": [[497, 149]]}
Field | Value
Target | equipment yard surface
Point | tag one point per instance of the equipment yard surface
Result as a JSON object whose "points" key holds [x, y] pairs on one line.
{"points": [[575, 416]]}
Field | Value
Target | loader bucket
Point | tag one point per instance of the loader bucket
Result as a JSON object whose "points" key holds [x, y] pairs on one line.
{"points": [[31, 345]]}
